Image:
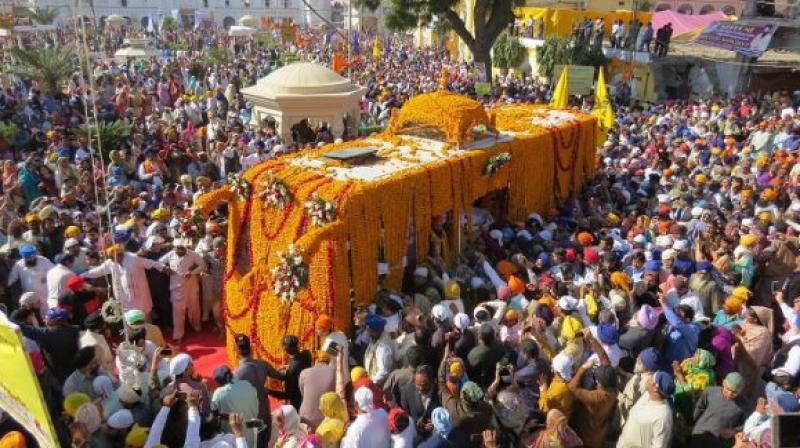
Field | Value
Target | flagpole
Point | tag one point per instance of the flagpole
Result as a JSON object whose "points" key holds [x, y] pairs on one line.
{"points": [[349, 38]]}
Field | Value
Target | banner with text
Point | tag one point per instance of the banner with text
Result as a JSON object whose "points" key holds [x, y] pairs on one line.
{"points": [[748, 39], [581, 78], [20, 395]]}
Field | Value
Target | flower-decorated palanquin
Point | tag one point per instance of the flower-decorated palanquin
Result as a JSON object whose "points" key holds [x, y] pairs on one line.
{"points": [[308, 233]]}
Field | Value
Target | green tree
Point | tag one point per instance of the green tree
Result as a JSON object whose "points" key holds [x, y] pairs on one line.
{"points": [[49, 66], [42, 15], [111, 136], [491, 18], [169, 23], [508, 52], [563, 51]]}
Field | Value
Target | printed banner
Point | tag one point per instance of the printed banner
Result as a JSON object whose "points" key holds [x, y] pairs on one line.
{"points": [[581, 78], [20, 395], [744, 38]]}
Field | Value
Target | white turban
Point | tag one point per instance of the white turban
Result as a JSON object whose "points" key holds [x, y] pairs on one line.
{"points": [[122, 419], [30, 300], [664, 241], [568, 303], [461, 321], [102, 386], [363, 397], [497, 235], [562, 364], [479, 309], [681, 245], [476, 282], [441, 312], [89, 415], [179, 364]]}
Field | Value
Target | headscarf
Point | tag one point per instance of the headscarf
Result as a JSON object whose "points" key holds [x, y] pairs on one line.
{"points": [[721, 342], [441, 422], [331, 430], [699, 371], [556, 433], [289, 425], [647, 317], [73, 401], [377, 392], [562, 365]]}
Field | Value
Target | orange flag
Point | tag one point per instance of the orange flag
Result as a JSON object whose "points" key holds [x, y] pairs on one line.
{"points": [[338, 63]]}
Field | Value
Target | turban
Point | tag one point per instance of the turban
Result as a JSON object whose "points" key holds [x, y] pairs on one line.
{"points": [[612, 219], [75, 283], [788, 402], [439, 312], [421, 271], [506, 268], [650, 359], [357, 373], [515, 285], [511, 315], [185, 178], [72, 232], [568, 303], [621, 280], [704, 266], [134, 317], [735, 381], [203, 180], [585, 238], [441, 421], [375, 322], [607, 333], [452, 290], [31, 218], [769, 194], [73, 401], [160, 213], [179, 364], [102, 386], [127, 394], [471, 392], [700, 178], [364, 399], [664, 383], [461, 321], [27, 250], [114, 250], [13, 439], [733, 304], [46, 212], [647, 317], [324, 322], [590, 255], [71, 242], [765, 216], [456, 369], [136, 437], [562, 365], [652, 266], [741, 293], [122, 419], [89, 415], [394, 415]]}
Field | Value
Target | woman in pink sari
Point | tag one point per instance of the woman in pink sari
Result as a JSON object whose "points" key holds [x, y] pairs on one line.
{"points": [[555, 434]]}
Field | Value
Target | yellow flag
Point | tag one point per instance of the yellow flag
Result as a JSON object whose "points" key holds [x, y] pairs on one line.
{"points": [[376, 48], [602, 108], [560, 99]]}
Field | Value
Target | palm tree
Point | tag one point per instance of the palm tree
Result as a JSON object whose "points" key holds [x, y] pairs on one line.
{"points": [[51, 66], [111, 135], [43, 15]]}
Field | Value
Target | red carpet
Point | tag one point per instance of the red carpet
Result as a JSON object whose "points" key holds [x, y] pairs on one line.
{"points": [[207, 351]]}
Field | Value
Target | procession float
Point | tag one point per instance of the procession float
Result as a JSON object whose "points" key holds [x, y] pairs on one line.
{"points": [[306, 230]]}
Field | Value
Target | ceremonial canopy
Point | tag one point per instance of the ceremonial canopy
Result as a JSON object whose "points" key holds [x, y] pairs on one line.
{"points": [[307, 230]]}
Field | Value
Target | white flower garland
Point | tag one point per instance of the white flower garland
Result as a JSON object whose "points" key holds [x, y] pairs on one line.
{"points": [[274, 192], [289, 275], [320, 211]]}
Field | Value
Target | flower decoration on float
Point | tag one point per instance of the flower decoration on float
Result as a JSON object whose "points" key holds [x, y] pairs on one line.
{"points": [[320, 211], [111, 311], [239, 186], [495, 163], [275, 192], [289, 275]]}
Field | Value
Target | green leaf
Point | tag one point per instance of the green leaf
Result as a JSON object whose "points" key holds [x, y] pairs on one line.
{"points": [[51, 66]]}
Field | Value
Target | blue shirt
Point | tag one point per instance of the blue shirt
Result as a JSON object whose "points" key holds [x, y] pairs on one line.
{"points": [[682, 338]]}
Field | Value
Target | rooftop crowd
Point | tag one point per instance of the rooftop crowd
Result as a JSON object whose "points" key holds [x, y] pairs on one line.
{"points": [[660, 307]]}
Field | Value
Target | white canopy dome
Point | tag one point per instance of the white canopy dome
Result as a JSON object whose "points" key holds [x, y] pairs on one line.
{"points": [[304, 78], [247, 20], [115, 20]]}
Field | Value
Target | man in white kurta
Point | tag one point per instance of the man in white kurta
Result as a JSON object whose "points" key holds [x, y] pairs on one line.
{"points": [[128, 278], [31, 272], [184, 286]]}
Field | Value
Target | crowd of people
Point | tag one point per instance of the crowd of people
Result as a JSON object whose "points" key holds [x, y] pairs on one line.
{"points": [[660, 307]]}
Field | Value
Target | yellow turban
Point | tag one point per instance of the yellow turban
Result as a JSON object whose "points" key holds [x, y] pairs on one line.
{"points": [[202, 180], [570, 327], [612, 218], [700, 178], [592, 307], [72, 232], [185, 179], [748, 240], [742, 293], [160, 213], [456, 369], [716, 151], [621, 280], [452, 290], [73, 401], [137, 436], [761, 159], [113, 251], [31, 218], [357, 372], [765, 216]]}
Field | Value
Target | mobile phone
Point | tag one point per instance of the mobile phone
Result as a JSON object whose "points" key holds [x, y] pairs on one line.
{"points": [[254, 423], [180, 395], [166, 351], [774, 287], [333, 347]]}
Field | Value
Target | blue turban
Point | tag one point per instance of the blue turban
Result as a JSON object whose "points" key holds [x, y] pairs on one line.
{"points": [[650, 359], [787, 401], [683, 266], [508, 233], [27, 250], [664, 383], [656, 254], [652, 265], [544, 257], [607, 334], [704, 266], [375, 322], [63, 153], [122, 235], [441, 421], [57, 314]]}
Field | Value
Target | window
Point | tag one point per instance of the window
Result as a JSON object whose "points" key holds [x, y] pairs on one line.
{"points": [[707, 9], [287, 4], [246, 3], [266, 3]]}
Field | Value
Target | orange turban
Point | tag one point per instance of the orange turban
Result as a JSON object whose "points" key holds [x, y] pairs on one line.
{"points": [[621, 280], [585, 238], [13, 439], [746, 194], [769, 194], [515, 285], [511, 316], [733, 304], [324, 322], [548, 301], [506, 268], [667, 172], [113, 251]]}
